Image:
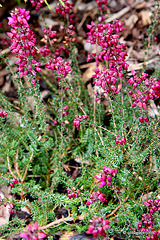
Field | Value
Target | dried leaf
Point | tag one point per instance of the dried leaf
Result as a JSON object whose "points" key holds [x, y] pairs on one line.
{"points": [[145, 15]]}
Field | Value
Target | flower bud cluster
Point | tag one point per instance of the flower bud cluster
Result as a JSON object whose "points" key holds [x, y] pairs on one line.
{"points": [[72, 192], [147, 221], [6, 42], [102, 5], [3, 113], [64, 113], [57, 63], [105, 176], [120, 140], [105, 35], [106, 78], [32, 233], [45, 51], [150, 89], [10, 207], [37, 3], [153, 205], [14, 181], [50, 33], [66, 10], [146, 225], [23, 42], [78, 119], [60, 51], [96, 196], [98, 226], [69, 35]]}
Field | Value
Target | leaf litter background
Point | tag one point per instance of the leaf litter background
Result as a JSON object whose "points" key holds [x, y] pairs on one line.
{"points": [[136, 15]]}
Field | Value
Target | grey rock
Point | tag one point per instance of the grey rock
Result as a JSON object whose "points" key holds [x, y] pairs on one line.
{"points": [[81, 236]]}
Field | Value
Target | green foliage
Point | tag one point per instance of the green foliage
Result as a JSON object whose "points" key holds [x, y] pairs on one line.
{"points": [[47, 159]]}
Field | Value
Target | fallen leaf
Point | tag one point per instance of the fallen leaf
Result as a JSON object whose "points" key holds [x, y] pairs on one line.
{"points": [[146, 17]]}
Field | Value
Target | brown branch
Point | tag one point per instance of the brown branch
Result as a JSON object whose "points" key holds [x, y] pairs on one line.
{"points": [[27, 167], [66, 219], [10, 170], [69, 219], [16, 166]]}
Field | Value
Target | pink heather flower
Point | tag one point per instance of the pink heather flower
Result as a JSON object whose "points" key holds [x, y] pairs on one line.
{"points": [[120, 140], [23, 42], [78, 119], [153, 205], [105, 176], [34, 82], [146, 119], [25, 235], [113, 172], [61, 67], [65, 108], [105, 35], [72, 192], [55, 123], [41, 235], [32, 233], [147, 221], [66, 9], [96, 196], [37, 3], [61, 50], [45, 51], [102, 5], [144, 90], [108, 184], [35, 227], [50, 33], [98, 226], [102, 184], [109, 178], [64, 113], [141, 119], [3, 113], [14, 180]]}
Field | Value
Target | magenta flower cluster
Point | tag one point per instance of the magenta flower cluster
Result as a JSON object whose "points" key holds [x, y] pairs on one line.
{"points": [[60, 51], [102, 5], [146, 225], [72, 192], [23, 42], [98, 226], [150, 89], [120, 140], [96, 196], [105, 176], [66, 10], [32, 233], [105, 35], [37, 3], [50, 33], [10, 207], [64, 113], [3, 113], [78, 119], [14, 181], [153, 205], [62, 68], [147, 221], [45, 51]]}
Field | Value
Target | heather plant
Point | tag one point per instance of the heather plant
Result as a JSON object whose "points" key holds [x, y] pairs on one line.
{"points": [[63, 153]]}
